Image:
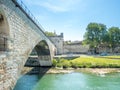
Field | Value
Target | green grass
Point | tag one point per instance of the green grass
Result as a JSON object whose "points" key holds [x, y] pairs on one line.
{"points": [[88, 62], [114, 57]]}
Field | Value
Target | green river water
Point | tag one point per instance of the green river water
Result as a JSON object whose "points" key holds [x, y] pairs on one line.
{"points": [[71, 81]]}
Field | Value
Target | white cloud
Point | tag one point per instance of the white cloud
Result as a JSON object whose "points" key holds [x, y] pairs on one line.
{"points": [[53, 8], [56, 5]]}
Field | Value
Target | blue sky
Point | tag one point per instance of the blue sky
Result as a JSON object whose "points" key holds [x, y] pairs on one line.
{"points": [[72, 16]]}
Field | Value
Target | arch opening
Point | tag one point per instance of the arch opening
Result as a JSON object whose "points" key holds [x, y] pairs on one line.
{"points": [[43, 53], [4, 33], [42, 48], [40, 55]]}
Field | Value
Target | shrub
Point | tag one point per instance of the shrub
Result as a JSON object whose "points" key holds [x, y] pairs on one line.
{"points": [[54, 62], [66, 64], [59, 65], [74, 65]]}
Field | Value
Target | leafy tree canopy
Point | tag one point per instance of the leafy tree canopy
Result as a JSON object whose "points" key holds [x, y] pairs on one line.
{"points": [[95, 34], [50, 33], [114, 36]]}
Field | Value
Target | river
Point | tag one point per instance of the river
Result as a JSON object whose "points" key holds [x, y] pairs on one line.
{"points": [[71, 81]]}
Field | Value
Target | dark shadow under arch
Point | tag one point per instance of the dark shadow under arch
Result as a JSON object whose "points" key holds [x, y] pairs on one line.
{"points": [[32, 65], [40, 52], [42, 48]]}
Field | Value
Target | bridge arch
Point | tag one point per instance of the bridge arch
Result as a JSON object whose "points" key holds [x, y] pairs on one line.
{"points": [[42, 48], [43, 52], [22, 34]]}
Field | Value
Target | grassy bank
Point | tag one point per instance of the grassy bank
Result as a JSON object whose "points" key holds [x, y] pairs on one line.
{"points": [[88, 62], [112, 57]]}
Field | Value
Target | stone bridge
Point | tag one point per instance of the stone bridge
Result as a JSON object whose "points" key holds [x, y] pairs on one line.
{"points": [[20, 34]]}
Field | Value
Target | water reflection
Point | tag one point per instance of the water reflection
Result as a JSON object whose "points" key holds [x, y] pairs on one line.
{"points": [[29, 80], [72, 81]]}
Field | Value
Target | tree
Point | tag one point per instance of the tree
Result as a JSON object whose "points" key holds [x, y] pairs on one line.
{"points": [[50, 33], [67, 42], [102, 33], [114, 37], [95, 35]]}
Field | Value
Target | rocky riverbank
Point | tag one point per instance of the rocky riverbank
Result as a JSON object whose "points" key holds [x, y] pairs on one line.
{"points": [[41, 70], [98, 71], [59, 70]]}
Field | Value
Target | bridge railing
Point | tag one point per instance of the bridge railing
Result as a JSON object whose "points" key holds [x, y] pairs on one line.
{"points": [[27, 11], [24, 8]]}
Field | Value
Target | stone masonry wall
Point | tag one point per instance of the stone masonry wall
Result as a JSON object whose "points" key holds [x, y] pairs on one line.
{"points": [[22, 38], [76, 49], [58, 42]]}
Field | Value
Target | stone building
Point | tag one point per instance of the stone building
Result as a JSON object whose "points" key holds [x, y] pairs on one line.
{"points": [[73, 47], [58, 42], [77, 47], [106, 48]]}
